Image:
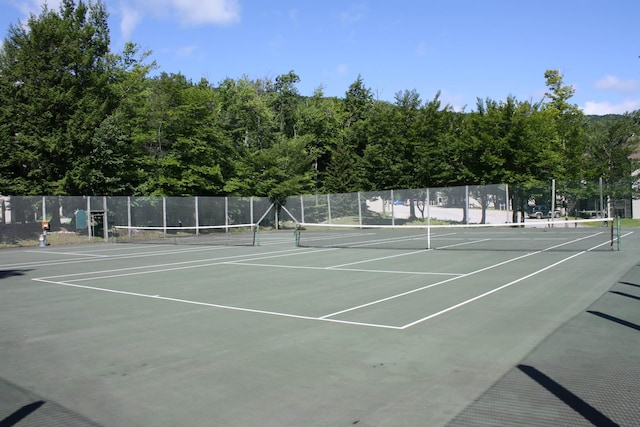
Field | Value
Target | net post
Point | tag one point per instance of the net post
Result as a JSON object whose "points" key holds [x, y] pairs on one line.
{"points": [[611, 232], [256, 234], [296, 235]]}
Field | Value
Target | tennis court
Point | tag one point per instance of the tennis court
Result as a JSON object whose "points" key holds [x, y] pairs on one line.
{"points": [[284, 334]]}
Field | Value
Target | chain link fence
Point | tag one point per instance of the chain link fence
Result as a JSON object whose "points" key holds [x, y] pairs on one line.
{"points": [[71, 219]]}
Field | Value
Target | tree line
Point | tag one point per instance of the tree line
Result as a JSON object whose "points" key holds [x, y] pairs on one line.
{"points": [[79, 119]]}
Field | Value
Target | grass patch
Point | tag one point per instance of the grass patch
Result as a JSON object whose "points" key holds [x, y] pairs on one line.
{"points": [[629, 222]]}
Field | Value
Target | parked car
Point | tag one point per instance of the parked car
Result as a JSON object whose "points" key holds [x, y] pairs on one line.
{"points": [[541, 211]]}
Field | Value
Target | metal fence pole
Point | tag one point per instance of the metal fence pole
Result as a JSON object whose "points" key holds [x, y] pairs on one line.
{"points": [[129, 215], [164, 217], [197, 216], [507, 202], [359, 210], [466, 204], [226, 213], [89, 219], [393, 211], [105, 222]]}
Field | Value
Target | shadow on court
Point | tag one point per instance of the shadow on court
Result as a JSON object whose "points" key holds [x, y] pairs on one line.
{"points": [[630, 284], [5, 274], [21, 414], [20, 407], [615, 319], [584, 374], [570, 399]]}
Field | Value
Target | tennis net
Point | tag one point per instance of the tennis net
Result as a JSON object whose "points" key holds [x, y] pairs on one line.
{"points": [[222, 235], [566, 235]]}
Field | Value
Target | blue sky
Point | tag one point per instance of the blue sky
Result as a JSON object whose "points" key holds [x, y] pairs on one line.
{"points": [[466, 49]]}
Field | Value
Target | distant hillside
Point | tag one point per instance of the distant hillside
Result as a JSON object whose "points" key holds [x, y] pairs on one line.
{"points": [[594, 119]]}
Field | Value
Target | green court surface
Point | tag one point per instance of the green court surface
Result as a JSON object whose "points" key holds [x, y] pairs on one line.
{"points": [[279, 335]]}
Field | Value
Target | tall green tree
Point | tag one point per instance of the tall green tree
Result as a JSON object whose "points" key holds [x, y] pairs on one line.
{"points": [[318, 125], [286, 102], [569, 122], [246, 114], [54, 94], [188, 153], [611, 143]]}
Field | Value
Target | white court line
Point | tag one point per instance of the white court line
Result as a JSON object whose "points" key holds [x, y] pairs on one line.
{"points": [[378, 259], [426, 287], [470, 300], [167, 251], [362, 270], [109, 258], [161, 268], [471, 242], [463, 303], [457, 277], [69, 253], [225, 307]]}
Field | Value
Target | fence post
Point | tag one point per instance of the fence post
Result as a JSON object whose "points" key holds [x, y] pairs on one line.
{"points": [[105, 222], [466, 204], [507, 204], [251, 209], [129, 216], [393, 211], [226, 213], [164, 217], [197, 215], [359, 211], [599, 214], [89, 219], [44, 209], [428, 221]]}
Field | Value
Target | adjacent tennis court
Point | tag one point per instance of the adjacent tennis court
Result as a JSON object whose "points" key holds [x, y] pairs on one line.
{"points": [[294, 331]]}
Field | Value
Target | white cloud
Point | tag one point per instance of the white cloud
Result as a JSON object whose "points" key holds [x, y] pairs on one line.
{"points": [[276, 43], [187, 12], [293, 15], [354, 14], [342, 69], [600, 108], [186, 51], [34, 6], [454, 101], [617, 84], [200, 12], [421, 50], [130, 20]]}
